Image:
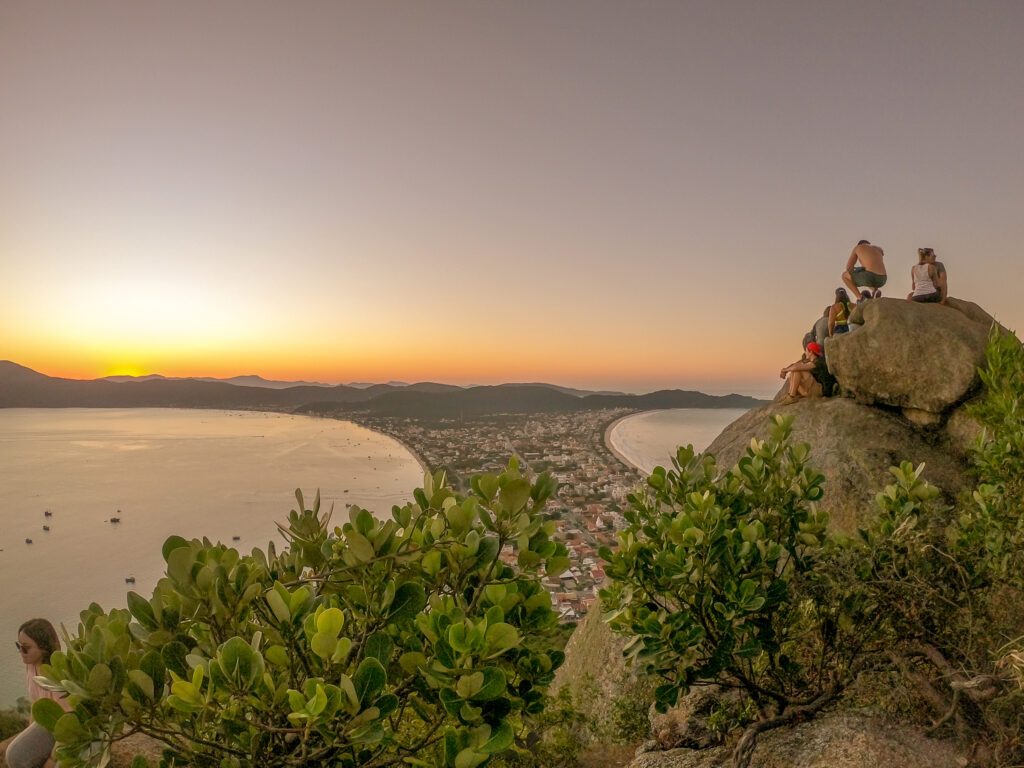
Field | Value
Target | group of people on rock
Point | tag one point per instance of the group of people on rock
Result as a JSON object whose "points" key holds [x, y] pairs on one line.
{"points": [[865, 276]]}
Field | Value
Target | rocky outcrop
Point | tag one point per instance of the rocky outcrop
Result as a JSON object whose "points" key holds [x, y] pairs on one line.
{"points": [[853, 445], [923, 357], [686, 725], [832, 741], [906, 377], [594, 670]]}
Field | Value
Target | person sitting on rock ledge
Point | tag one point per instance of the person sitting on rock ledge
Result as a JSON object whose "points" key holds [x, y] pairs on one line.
{"points": [[808, 378], [839, 314], [924, 279], [871, 271], [940, 273]]}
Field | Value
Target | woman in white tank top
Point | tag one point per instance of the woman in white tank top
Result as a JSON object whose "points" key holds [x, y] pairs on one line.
{"points": [[923, 279]]}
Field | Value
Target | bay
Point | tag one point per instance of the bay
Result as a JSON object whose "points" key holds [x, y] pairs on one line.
{"points": [[649, 439], [193, 473]]}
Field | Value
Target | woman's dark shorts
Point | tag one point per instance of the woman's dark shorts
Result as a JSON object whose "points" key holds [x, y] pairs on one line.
{"points": [[928, 298]]}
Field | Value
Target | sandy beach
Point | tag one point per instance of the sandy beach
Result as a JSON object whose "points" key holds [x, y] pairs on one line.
{"points": [[648, 439], [611, 446]]}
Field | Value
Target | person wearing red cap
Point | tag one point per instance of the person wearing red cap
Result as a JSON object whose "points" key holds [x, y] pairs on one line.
{"points": [[808, 377]]}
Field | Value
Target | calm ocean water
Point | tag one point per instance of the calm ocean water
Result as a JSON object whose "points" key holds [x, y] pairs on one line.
{"points": [[649, 439], [193, 473]]}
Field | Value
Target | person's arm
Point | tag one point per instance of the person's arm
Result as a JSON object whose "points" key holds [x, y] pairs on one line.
{"points": [[943, 287], [797, 366], [832, 312], [852, 261], [913, 282]]}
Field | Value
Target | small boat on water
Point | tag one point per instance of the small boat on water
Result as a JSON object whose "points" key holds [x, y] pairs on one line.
{"points": [[47, 513], [115, 519], [236, 538], [129, 579], [28, 541], [46, 527]]}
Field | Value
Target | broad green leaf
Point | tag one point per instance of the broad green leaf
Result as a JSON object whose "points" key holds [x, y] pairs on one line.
{"points": [[47, 712]]}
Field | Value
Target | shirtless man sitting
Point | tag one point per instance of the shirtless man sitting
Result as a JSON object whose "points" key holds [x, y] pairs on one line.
{"points": [[870, 273]]}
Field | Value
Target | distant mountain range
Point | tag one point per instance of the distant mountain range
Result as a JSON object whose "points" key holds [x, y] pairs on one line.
{"points": [[21, 387], [242, 381]]}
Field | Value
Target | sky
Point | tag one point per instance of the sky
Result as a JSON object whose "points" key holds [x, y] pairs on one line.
{"points": [[608, 195]]}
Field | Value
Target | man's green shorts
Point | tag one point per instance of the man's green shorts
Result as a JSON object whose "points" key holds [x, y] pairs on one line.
{"points": [[864, 279]]}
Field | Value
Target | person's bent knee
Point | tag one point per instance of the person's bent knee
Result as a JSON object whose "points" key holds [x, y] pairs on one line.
{"points": [[30, 749], [16, 757]]}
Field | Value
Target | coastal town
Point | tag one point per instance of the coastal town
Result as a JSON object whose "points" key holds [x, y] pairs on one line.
{"points": [[593, 482]]}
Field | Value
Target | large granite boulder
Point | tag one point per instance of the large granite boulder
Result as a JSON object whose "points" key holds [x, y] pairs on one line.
{"points": [[923, 357], [837, 740], [853, 445]]}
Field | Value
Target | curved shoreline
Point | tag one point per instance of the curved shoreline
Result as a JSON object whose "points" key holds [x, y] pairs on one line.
{"points": [[623, 459], [412, 452], [409, 448]]}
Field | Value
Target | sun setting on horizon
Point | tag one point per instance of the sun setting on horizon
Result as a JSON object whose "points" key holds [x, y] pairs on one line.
{"points": [[426, 220]]}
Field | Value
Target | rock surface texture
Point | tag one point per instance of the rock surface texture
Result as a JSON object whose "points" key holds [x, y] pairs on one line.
{"points": [[831, 741], [923, 357], [853, 445]]}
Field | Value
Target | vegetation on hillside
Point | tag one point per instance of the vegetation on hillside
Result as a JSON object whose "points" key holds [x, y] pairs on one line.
{"points": [[406, 641], [734, 578]]}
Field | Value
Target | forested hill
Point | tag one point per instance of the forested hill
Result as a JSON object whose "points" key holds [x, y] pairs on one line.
{"points": [[531, 398], [21, 387]]}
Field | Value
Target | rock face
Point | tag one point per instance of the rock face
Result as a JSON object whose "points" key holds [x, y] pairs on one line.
{"points": [[594, 670], [686, 724], [923, 357], [831, 741], [853, 445]]}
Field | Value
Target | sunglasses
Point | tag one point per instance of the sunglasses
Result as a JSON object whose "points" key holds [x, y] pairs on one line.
{"points": [[21, 648]]}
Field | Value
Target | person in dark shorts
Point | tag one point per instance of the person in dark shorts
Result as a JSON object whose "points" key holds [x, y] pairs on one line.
{"points": [[808, 377], [865, 269], [940, 274], [924, 279]]}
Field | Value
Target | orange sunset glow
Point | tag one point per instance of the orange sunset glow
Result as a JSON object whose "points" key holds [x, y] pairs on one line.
{"points": [[631, 201]]}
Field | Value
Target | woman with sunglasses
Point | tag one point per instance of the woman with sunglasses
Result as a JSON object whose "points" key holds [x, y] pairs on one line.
{"points": [[33, 747]]}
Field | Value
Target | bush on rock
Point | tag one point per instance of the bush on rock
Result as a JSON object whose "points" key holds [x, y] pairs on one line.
{"points": [[735, 579]]}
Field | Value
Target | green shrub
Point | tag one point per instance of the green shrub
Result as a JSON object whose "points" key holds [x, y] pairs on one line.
{"points": [[630, 719], [734, 578], [375, 643], [557, 737]]}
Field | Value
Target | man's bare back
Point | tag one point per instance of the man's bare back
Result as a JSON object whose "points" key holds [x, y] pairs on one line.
{"points": [[870, 274], [870, 257]]}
